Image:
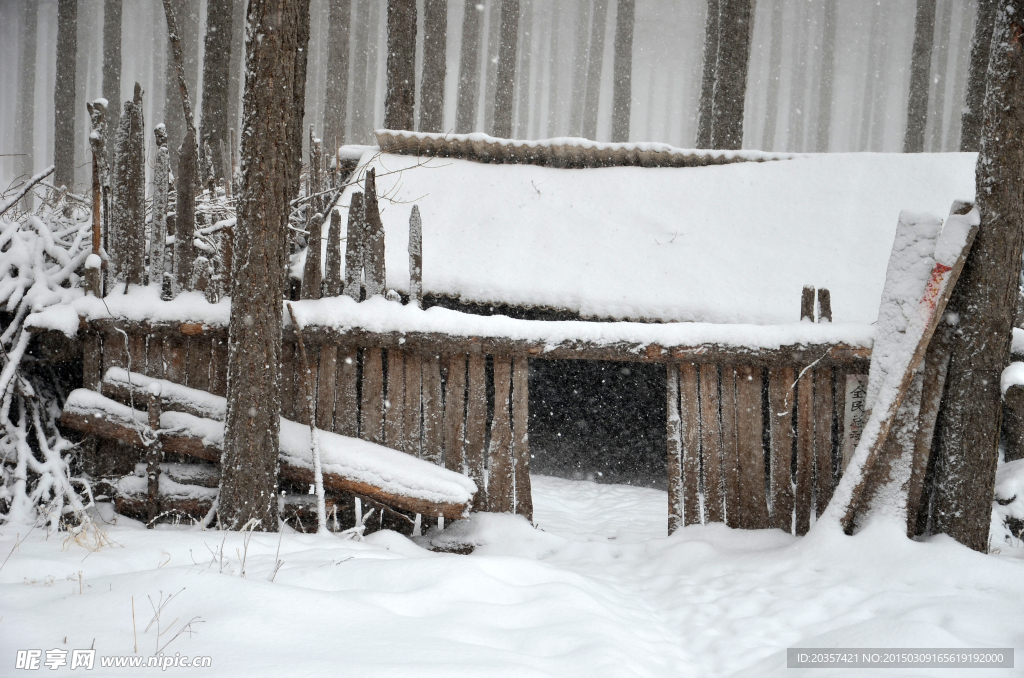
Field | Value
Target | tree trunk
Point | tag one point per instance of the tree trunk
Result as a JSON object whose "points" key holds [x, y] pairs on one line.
{"points": [[771, 113], [112, 63], [523, 88], [64, 94], [554, 94], [361, 36], [400, 101], [592, 103], [187, 14], [963, 56], [828, 65], [974, 104], [984, 300], [469, 68], [213, 129], [798, 90], [731, 77], [622, 92], [26, 114], [920, 64], [370, 114], [435, 39], [940, 81], [504, 95], [579, 69], [871, 81], [705, 118], [236, 76], [336, 97], [878, 116], [272, 112], [491, 80]]}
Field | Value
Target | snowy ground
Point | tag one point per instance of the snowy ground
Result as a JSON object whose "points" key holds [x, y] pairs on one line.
{"points": [[597, 591]]}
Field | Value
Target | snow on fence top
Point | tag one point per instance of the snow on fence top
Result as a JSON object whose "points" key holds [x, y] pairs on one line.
{"points": [[722, 244]]}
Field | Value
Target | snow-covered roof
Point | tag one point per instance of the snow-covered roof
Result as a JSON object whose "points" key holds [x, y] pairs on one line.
{"points": [[724, 244]]}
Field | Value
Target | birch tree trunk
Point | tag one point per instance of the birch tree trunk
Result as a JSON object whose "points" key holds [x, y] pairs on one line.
{"points": [[731, 77], [272, 111], [469, 68], [622, 93], [984, 301], [64, 94], [828, 65], [213, 129], [435, 40], [705, 118], [920, 64], [336, 96], [974, 103], [595, 66], [504, 95], [112, 63]]}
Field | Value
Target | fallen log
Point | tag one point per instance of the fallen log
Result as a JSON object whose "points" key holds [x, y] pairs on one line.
{"points": [[358, 467]]}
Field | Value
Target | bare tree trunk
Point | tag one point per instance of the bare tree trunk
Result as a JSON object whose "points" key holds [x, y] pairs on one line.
{"points": [[878, 117], [984, 301], [705, 118], [435, 39], [237, 63], [504, 95], [871, 79], [26, 114], [592, 103], [64, 94], [272, 111], [622, 92], [920, 64], [213, 129], [128, 218], [370, 115], [469, 68], [828, 65], [731, 80], [771, 113], [400, 102], [798, 89], [940, 81], [491, 79], [187, 14], [963, 56], [112, 63], [974, 105], [554, 93], [361, 37], [579, 70], [337, 74], [523, 88]]}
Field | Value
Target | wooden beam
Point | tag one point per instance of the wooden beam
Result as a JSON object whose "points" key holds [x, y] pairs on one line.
{"points": [[476, 428], [413, 409], [780, 412], [394, 411], [824, 414], [455, 414], [689, 410], [711, 445], [433, 410], [501, 497], [749, 428], [520, 436], [327, 379]]}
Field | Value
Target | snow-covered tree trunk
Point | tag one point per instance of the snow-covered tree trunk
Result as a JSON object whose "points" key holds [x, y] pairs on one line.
{"points": [[336, 98], [828, 65], [277, 36], [594, 67], [435, 38], [984, 301], [112, 11], [213, 129], [705, 117], [504, 95], [735, 22], [920, 66], [469, 68], [622, 96], [64, 94], [974, 103]]}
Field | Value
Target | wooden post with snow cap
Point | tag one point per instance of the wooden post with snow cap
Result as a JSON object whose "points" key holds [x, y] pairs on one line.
{"points": [[373, 261], [824, 305], [416, 257], [807, 303], [311, 272], [332, 276], [711, 444], [354, 248]]}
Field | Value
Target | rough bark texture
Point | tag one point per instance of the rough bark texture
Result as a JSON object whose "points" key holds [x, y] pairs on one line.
{"points": [[360, 126], [974, 104], [984, 300], [828, 65], [64, 94], [336, 96], [920, 66], [278, 36], [579, 69], [504, 95], [186, 12], [469, 68], [522, 126], [594, 68], [400, 100], [235, 76], [771, 113], [26, 114], [128, 219], [112, 61], [705, 120], [731, 78], [435, 37], [622, 89], [213, 129], [158, 239]]}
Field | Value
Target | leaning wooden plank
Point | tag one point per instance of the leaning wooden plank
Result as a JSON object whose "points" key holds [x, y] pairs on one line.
{"points": [[780, 413], [689, 410], [455, 414], [476, 427], [730, 447], [350, 465], [749, 432], [520, 438], [804, 450], [904, 360], [711, 444], [674, 441], [824, 412], [500, 486], [371, 408]]}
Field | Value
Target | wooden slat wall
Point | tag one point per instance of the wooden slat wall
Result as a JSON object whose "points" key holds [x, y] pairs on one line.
{"points": [[780, 423], [711, 445], [753, 500], [520, 436], [476, 428]]}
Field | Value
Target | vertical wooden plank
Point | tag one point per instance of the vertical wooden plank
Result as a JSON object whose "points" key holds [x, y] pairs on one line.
{"points": [[780, 410], [855, 414], [804, 451], [807, 303], [290, 397], [750, 442], [92, 360], [476, 428], [219, 366], [455, 414], [730, 447], [839, 412], [500, 476], [200, 353], [372, 401], [155, 357], [413, 409], [346, 402], [326, 380], [175, 354], [137, 352], [689, 410], [824, 416], [674, 441], [394, 410], [824, 306], [711, 444], [433, 410], [114, 351], [520, 437]]}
